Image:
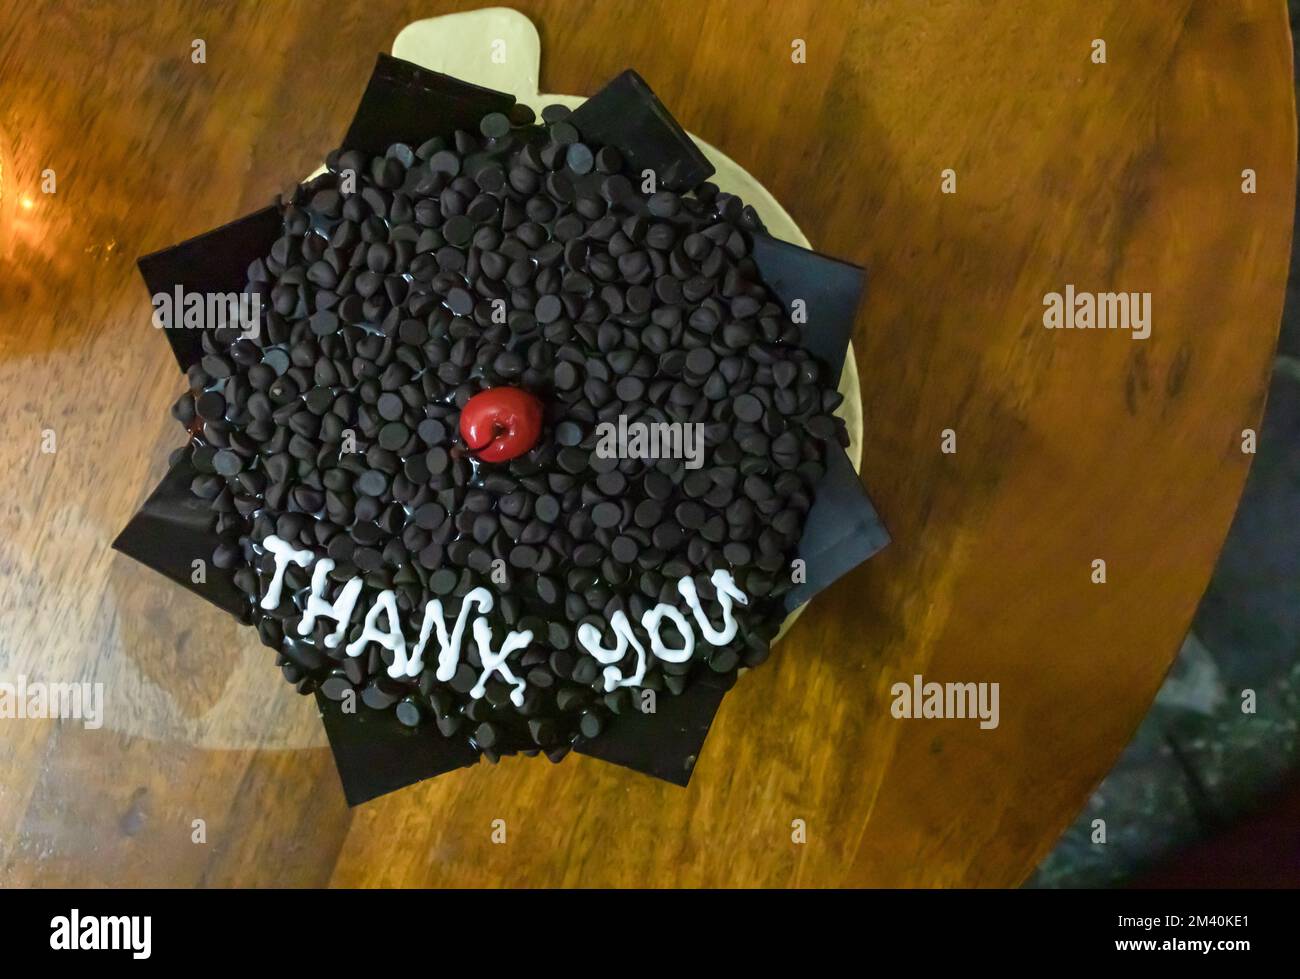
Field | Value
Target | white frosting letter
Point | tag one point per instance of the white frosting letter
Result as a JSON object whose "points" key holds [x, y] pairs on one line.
{"points": [[284, 554], [448, 646], [391, 638], [340, 611], [589, 637], [726, 588], [496, 662], [650, 622]]}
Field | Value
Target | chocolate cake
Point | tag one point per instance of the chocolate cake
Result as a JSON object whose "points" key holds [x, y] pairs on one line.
{"points": [[517, 442]]}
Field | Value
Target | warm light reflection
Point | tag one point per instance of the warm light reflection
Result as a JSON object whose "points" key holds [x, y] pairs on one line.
{"points": [[30, 230]]}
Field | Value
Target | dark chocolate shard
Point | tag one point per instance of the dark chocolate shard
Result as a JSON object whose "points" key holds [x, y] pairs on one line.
{"points": [[830, 290], [667, 743], [174, 529], [376, 754], [404, 103], [627, 115], [842, 529], [214, 262]]}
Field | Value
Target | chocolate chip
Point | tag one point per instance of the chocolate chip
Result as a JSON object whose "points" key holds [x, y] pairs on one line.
{"points": [[606, 514], [393, 436], [227, 463], [408, 712], [446, 162], [443, 581], [485, 734], [566, 376], [372, 482], [380, 694], [458, 230], [548, 309], [431, 431], [591, 725], [437, 460], [210, 405], [430, 516], [747, 408], [460, 302], [563, 133], [494, 125], [579, 158], [568, 433], [336, 687], [547, 508], [324, 323], [546, 589], [663, 204]]}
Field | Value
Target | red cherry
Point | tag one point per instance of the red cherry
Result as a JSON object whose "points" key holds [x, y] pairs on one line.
{"points": [[501, 423]]}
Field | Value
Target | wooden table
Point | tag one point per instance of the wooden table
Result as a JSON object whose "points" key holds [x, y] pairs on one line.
{"points": [[1071, 446]]}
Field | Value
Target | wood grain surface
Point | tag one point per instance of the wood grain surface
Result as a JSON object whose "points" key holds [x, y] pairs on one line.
{"points": [[1071, 446]]}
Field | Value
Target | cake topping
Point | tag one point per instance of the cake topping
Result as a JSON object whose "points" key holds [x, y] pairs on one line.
{"points": [[392, 638], [510, 400], [501, 423]]}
